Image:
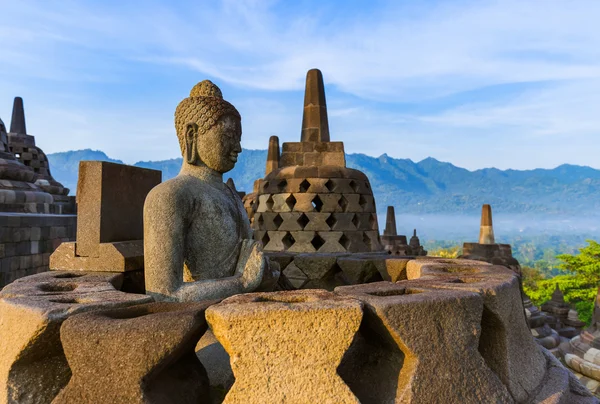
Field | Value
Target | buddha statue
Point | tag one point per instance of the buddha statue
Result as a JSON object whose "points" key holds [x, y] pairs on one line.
{"points": [[198, 242]]}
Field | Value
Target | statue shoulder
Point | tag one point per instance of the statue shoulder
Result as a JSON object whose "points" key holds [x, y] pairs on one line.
{"points": [[175, 193]]}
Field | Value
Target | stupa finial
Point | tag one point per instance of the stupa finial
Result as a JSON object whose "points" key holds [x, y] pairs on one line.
{"points": [[390, 222], [272, 155], [17, 123], [486, 230], [315, 125]]}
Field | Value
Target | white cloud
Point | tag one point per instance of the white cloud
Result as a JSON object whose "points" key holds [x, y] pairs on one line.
{"points": [[67, 58]]}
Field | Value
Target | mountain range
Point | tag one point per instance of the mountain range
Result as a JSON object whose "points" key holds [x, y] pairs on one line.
{"points": [[425, 187]]}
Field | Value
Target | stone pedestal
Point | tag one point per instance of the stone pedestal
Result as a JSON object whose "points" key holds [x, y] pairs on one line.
{"points": [[285, 346], [110, 219]]}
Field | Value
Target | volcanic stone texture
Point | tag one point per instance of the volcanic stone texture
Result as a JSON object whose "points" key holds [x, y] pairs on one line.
{"points": [[33, 367], [28, 240], [400, 368], [110, 201], [159, 364], [286, 346], [324, 209], [327, 271]]}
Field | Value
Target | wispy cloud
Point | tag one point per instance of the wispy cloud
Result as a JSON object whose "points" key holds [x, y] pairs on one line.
{"points": [[111, 73]]}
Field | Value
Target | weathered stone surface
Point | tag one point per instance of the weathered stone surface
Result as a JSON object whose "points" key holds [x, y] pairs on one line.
{"points": [[355, 271], [425, 347], [110, 199], [505, 342], [272, 155], [392, 269], [390, 222], [284, 347], [216, 361], [120, 256], [486, 231], [158, 366], [33, 367], [560, 386], [198, 244], [315, 126]]}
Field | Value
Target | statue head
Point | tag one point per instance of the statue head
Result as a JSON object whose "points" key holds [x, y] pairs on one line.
{"points": [[209, 128]]}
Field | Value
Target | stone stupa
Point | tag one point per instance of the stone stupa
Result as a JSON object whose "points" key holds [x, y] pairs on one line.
{"points": [[23, 147], [309, 200], [18, 191]]}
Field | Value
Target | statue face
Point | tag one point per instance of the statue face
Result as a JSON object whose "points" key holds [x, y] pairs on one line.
{"points": [[219, 147]]}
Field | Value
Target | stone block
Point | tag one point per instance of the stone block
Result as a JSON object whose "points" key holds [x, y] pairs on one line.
{"points": [[302, 242], [110, 202], [284, 347], [333, 159], [391, 269], [332, 242], [304, 202], [418, 345], [505, 341], [33, 368], [342, 222], [331, 172], [306, 172], [291, 147], [317, 221], [356, 271], [283, 202], [113, 257], [156, 367], [276, 241], [289, 221]]}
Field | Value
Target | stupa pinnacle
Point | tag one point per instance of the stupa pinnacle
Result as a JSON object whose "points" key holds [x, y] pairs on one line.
{"points": [[315, 125], [486, 230], [17, 123]]}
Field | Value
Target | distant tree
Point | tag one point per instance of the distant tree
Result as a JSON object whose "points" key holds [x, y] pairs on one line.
{"points": [[579, 280], [450, 252], [531, 277]]}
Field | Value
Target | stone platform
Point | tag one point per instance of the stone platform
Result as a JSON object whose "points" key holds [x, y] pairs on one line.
{"points": [[449, 331]]}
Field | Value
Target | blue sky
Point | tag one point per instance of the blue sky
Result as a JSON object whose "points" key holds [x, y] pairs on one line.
{"points": [[506, 84]]}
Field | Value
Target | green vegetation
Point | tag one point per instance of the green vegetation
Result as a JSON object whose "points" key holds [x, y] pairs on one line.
{"points": [[579, 278], [575, 270]]}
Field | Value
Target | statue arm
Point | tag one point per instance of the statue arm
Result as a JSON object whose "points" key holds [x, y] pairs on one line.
{"points": [[164, 239], [248, 277]]}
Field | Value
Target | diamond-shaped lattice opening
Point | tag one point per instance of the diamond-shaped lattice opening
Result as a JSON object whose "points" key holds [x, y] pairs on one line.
{"points": [[367, 240], [265, 239], [277, 220], [344, 241], [373, 221], [317, 203], [270, 202], [330, 185], [265, 185], [290, 202], [304, 185], [354, 186], [260, 221], [331, 221], [288, 240], [281, 185], [355, 221], [343, 203], [362, 201], [317, 242], [303, 220]]}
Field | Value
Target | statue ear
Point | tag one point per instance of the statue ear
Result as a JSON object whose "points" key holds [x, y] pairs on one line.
{"points": [[191, 134]]}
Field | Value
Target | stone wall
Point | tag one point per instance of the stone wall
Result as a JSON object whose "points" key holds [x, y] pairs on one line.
{"points": [[28, 240]]}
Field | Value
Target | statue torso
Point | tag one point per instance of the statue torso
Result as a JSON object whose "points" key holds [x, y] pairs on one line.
{"points": [[215, 223]]}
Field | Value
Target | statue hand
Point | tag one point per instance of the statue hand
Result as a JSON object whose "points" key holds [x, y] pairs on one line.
{"points": [[251, 264]]}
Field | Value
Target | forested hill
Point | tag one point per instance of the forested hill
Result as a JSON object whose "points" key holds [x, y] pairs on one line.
{"points": [[428, 186]]}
